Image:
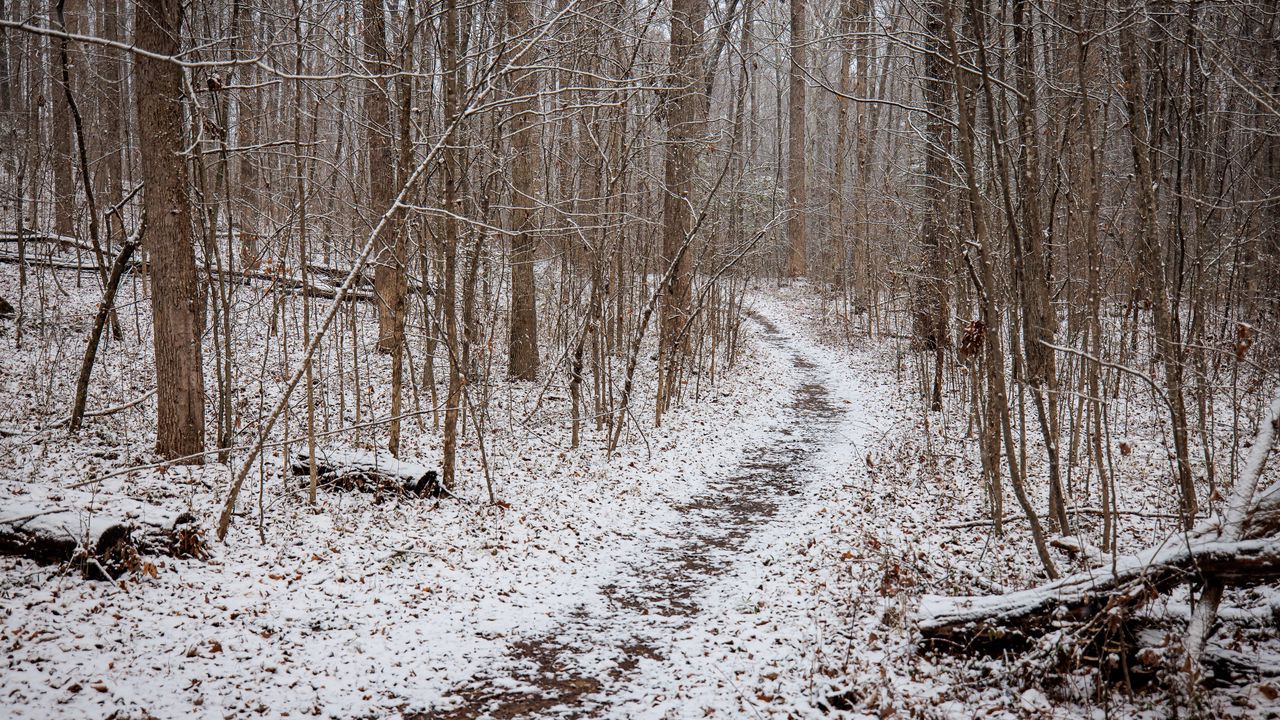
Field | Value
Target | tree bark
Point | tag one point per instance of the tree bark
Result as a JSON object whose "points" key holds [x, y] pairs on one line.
{"points": [[118, 269], [64, 193], [451, 199], [1152, 260], [1039, 320], [175, 293], [932, 315], [994, 351], [109, 118], [523, 341], [388, 266], [684, 130], [797, 187], [838, 232]]}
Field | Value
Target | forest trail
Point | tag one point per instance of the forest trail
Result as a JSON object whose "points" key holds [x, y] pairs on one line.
{"points": [[588, 660]]}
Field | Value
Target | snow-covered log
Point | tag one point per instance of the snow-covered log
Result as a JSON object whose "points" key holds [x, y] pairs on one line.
{"points": [[1241, 547], [107, 542], [365, 471], [1004, 619]]}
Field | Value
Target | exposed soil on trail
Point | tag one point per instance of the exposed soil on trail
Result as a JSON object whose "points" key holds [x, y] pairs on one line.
{"points": [[657, 595]]}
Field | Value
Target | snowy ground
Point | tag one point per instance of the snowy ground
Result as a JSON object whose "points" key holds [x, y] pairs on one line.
{"points": [[760, 555]]}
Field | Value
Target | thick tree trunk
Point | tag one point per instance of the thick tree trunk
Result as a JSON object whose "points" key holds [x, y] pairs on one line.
{"points": [[452, 156], [105, 542], [1003, 621], [932, 315], [684, 130], [64, 192], [526, 157], [797, 187], [175, 293], [388, 273]]}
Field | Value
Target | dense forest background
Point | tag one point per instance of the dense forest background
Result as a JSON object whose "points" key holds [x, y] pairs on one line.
{"points": [[240, 234]]}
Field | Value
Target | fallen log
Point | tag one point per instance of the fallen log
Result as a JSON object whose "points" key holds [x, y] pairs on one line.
{"points": [[364, 471], [1010, 619], [289, 282], [66, 243], [1156, 649], [1241, 547], [1228, 667], [104, 544], [285, 282]]}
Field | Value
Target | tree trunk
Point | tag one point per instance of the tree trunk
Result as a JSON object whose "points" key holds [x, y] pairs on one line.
{"points": [[797, 189], [388, 272], [95, 334], [452, 179], [684, 131], [838, 234], [931, 297], [109, 118], [175, 293], [1039, 321], [526, 157], [64, 193], [994, 351], [1152, 260]]}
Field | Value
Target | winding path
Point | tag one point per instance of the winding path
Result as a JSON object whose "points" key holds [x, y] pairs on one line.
{"points": [[656, 596]]}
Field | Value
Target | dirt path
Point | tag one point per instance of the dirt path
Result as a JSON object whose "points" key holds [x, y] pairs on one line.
{"points": [[656, 596]]}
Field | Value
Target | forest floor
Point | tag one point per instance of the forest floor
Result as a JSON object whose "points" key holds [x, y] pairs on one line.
{"points": [[661, 637], [759, 555]]}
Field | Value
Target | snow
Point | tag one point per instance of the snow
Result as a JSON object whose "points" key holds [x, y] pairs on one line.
{"points": [[753, 557], [360, 608], [380, 460]]}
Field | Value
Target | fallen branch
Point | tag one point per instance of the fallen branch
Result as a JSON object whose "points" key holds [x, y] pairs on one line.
{"points": [[110, 541], [1009, 619], [376, 472], [100, 321], [286, 282], [1241, 548]]}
